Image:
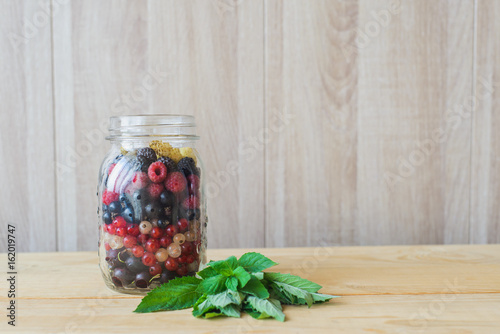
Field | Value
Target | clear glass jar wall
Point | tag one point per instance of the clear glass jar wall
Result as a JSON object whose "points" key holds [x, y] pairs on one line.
{"points": [[152, 208]]}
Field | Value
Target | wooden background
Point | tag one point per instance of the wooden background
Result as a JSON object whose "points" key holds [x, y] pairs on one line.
{"points": [[350, 122]]}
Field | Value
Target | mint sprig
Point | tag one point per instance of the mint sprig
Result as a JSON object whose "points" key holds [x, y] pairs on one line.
{"points": [[228, 287]]}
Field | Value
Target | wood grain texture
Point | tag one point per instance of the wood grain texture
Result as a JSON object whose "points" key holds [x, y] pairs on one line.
{"points": [[362, 105], [413, 130], [392, 289], [99, 66], [340, 270], [485, 190], [311, 155], [213, 51], [26, 127]]}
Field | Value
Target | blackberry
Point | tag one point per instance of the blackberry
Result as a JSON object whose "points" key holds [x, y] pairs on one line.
{"points": [[169, 163], [187, 166], [146, 156]]}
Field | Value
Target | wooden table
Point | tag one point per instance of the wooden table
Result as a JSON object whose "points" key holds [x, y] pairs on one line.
{"points": [[409, 289]]}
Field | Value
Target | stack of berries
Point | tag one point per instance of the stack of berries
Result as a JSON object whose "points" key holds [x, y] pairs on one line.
{"points": [[151, 213]]}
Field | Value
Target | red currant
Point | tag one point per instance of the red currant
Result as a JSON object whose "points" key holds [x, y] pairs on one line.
{"points": [[171, 264], [107, 246], [111, 229], [155, 269], [133, 230], [182, 224], [121, 231], [182, 271], [142, 239], [165, 241], [148, 259], [138, 251], [129, 241], [119, 222], [190, 258], [171, 230], [156, 232], [187, 247], [152, 245], [182, 259]]}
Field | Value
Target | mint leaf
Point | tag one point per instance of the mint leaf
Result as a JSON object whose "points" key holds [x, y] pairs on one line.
{"points": [[207, 272], [255, 262], [320, 297], [267, 307], [258, 275], [256, 288], [232, 283], [225, 267], [213, 285], [177, 294], [202, 306], [225, 298], [294, 281], [231, 310], [242, 276], [294, 294]]}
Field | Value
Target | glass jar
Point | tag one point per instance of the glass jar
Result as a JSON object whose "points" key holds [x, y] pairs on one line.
{"points": [[152, 208]]}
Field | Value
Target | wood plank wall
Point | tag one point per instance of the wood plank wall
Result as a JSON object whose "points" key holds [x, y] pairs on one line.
{"points": [[351, 122]]}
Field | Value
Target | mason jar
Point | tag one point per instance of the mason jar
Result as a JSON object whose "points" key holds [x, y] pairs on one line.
{"points": [[152, 208]]}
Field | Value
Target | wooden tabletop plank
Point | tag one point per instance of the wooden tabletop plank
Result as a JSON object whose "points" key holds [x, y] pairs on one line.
{"points": [[456, 313], [341, 270]]}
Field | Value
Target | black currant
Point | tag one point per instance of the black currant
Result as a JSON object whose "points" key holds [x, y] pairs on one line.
{"points": [[167, 198], [106, 218], [128, 215], [115, 207], [122, 276], [135, 265]]}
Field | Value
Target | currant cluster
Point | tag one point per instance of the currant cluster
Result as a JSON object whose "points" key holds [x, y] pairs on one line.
{"points": [[151, 213]]}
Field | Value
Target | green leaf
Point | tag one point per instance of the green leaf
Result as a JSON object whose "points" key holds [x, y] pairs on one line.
{"points": [[320, 297], [177, 294], [225, 298], [294, 294], [267, 307], [277, 293], [292, 280], [256, 288], [231, 310], [213, 285], [202, 306], [232, 283], [225, 267], [259, 276], [242, 276], [253, 313], [207, 272], [255, 262]]}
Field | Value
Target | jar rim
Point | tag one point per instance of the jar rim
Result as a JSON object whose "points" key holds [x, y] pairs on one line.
{"points": [[152, 125]]}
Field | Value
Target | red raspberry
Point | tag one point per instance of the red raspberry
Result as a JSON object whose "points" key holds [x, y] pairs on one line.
{"points": [[157, 172], [155, 190], [182, 224], [192, 202], [140, 180], [119, 222], [194, 180], [129, 241], [175, 182], [138, 251], [109, 197]]}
